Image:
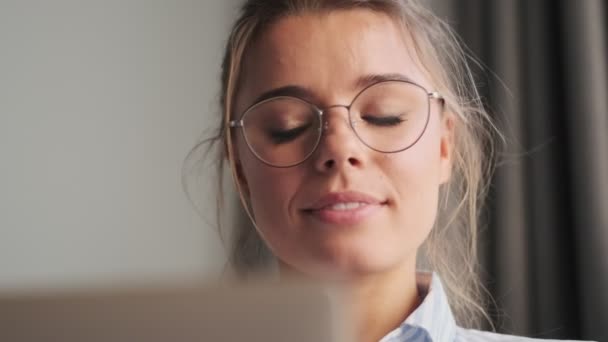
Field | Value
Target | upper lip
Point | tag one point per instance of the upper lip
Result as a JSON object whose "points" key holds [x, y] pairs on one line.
{"points": [[342, 197]]}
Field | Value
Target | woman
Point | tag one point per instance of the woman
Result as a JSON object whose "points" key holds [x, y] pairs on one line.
{"points": [[361, 152]]}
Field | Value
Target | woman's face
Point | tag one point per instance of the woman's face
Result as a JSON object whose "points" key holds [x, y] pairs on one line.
{"points": [[297, 209]]}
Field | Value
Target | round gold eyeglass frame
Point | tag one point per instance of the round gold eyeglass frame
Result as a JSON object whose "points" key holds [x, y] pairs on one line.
{"points": [[240, 123]]}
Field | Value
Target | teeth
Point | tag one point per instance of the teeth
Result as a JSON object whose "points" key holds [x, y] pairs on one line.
{"points": [[346, 206]]}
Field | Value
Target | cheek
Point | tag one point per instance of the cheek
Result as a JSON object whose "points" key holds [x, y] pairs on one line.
{"points": [[415, 174], [424, 158], [271, 191], [270, 194]]}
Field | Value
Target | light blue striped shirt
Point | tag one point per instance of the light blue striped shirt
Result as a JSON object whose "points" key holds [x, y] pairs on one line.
{"points": [[433, 320]]}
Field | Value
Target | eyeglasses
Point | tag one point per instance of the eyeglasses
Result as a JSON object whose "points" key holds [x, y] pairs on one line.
{"points": [[387, 116]]}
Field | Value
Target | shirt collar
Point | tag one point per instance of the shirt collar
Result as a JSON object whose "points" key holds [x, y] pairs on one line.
{"points": [[433, 317]]}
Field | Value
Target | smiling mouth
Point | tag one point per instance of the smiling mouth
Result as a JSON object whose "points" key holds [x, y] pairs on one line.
{"points": [[345, 213], [344, 206]]}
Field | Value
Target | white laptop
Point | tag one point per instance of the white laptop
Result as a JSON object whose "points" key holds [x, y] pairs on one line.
{"points": [[256, 312]]}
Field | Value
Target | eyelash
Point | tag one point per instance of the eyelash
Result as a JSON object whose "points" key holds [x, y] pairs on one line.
{"points": [[384, 121], [284, 136]]}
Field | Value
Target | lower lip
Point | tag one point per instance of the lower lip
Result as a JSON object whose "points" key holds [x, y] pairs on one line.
{"points": [[346, 217]]}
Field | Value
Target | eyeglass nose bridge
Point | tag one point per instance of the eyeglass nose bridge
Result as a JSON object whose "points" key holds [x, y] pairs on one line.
{"points": [[348, 120]]}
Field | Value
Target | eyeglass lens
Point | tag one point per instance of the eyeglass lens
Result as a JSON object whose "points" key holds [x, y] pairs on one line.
{"points": [[387, 117]]}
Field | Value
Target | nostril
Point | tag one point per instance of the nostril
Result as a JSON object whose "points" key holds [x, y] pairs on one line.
{"points": [[331, 163]]}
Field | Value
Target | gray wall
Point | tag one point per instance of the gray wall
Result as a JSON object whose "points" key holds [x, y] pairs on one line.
{"points": [[99, 103]]}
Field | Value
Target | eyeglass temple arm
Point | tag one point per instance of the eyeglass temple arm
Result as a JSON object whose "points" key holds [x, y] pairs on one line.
{"points": [[435, 95], [235, 123]]}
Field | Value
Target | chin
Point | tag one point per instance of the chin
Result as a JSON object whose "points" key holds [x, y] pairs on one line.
{"points": [[362, 266], [366, 253], [349, 264]]}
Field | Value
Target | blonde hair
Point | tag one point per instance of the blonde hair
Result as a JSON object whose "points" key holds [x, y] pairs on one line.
{"points": [[451, 248]]}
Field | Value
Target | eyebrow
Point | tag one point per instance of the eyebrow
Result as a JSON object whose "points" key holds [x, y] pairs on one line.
{"points": [[307, 94], [367, 80], [300, 92]]}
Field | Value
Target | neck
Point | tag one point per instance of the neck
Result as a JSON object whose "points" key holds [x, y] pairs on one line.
{"points": [[380, 302]]}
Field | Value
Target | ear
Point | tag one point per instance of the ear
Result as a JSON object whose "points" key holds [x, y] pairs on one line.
{"points": [[240, 178], [446, 148]]}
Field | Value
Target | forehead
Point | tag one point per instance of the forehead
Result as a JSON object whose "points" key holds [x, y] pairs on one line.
{"points": [[328, 53]]}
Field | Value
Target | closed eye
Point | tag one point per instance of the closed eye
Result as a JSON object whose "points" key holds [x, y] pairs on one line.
{"points": [[385, 120], [284, 136]]}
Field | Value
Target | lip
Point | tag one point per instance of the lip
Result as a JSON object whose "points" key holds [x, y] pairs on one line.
{"points": [[342, 197], [322, 209]]}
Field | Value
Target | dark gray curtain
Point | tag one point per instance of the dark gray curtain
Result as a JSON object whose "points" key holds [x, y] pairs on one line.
{"points": [[546, 245]]}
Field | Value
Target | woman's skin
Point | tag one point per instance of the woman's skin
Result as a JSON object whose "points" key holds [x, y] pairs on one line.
{"points": [[372, 248]]}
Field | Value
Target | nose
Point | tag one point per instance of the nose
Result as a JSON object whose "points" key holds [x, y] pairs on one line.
{"points": [[339, 147]]}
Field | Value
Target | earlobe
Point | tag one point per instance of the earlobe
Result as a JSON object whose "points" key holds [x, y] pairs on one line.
{"points": [[446, 146], [240, 178]]}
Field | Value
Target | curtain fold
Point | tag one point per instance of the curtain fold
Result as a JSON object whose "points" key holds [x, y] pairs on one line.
{"points": [[546, 247], [586, 54]]}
